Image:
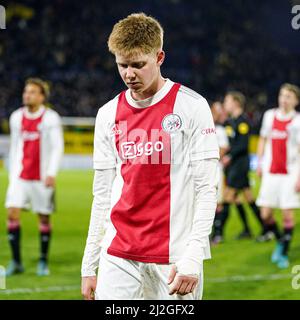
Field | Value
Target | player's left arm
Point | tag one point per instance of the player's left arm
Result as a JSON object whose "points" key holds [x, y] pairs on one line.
{"points": [[297, 186], [204, 155], [56, 141], [13, 146], [188, 268]]}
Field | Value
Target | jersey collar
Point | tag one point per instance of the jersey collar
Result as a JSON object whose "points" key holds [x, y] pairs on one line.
{"points": [[284, 116], [34, 115], [159, 95]]}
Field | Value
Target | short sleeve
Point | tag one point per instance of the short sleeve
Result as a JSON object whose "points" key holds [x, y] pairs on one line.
{"points": [[13, 120], [266, 124], [55, 120], [104, 154], [298, 129], [204, 144]]}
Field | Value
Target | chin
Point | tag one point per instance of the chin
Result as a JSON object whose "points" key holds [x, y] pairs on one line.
{"points": [[138, 90]]}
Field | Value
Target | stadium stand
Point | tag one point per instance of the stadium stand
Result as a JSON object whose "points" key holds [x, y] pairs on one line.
{"points": [[222, 47]]}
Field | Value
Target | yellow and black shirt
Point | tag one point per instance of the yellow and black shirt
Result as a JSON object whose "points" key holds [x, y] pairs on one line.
{"points": [[238, 131]]}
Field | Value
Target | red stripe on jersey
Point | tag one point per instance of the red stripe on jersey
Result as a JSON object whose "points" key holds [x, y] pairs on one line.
{"points": [[31, 148], [279, 141], [141, 217]]}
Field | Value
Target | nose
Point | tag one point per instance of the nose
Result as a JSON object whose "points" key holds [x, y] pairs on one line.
{"points": [[130, 73]]}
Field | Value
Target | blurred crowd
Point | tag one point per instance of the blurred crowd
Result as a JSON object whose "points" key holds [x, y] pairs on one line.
{"points": [[211, 46]]}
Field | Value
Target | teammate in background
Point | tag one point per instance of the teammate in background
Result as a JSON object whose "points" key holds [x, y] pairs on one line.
{"points": [[278, 164], [236, 164], [156, 142], [36, 149], [219, 119]]}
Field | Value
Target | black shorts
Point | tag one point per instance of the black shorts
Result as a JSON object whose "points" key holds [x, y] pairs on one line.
{"points": [[237, 173]]}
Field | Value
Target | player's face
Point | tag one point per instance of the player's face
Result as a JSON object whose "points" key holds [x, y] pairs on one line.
{"points": [[287, 99], [140, 72], [223, 116], [229, 104], [216, 110], [32, 95]]}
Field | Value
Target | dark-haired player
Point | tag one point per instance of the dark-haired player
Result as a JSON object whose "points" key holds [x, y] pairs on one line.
{"points": [[36, 150]]}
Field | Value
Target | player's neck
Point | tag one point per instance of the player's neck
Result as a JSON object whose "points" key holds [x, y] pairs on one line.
{"points": [[151, 91], [33, 108], [286, 110], [236, 113]]}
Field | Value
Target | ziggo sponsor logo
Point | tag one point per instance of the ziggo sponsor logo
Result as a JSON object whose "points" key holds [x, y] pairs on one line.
{"points": [[139, 143], [155, 144], [132, 150], [30, 135]]}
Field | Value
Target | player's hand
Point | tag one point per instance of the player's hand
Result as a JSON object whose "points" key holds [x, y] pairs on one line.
{"points": [[259, 172], [226, 161], [50, 182], [297, 186], [181, 284], [88, 287]]}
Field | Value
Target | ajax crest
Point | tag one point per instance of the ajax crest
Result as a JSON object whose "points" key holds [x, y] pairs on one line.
{"points": [[171, 123]]}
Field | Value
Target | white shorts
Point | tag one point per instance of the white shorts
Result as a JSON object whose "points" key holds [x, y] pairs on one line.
{"points": [[122, 279], [25, 194], [278, 191]]}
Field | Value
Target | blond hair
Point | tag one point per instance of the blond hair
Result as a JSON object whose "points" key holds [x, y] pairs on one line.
{"points": [[238, 97], [137, 33], [43, 85], [293, 88]]}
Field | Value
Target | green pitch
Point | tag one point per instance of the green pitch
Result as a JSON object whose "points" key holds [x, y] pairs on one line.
{"points": [[238, 270]]}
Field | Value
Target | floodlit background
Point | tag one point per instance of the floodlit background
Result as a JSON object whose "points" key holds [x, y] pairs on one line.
{"points": [[211, 47]]}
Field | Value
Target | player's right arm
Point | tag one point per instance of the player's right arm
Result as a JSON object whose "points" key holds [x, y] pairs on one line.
{"points": [[14, 135], [104, 161], [260, 154], [264, 132], [103, 180], [297, 186], [56, 145]]}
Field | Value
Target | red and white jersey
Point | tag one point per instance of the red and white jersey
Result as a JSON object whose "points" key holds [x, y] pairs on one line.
{"points": [[151, 144], [282, 131], [36, 146]]}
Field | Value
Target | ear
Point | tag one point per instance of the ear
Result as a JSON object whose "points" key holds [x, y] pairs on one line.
{"points": [[160, 57]]}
